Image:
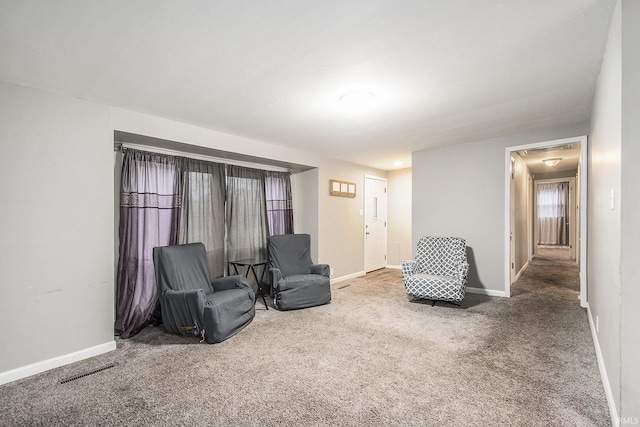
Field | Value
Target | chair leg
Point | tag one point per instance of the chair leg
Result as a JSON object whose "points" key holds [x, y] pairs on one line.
{"points": [[433, 303]]}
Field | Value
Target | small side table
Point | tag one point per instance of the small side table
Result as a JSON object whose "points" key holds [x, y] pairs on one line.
{"points": [[251, 265]]}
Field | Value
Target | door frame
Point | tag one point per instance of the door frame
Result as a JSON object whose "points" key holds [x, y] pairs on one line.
{"points": [[364, 218], [582, 234]]}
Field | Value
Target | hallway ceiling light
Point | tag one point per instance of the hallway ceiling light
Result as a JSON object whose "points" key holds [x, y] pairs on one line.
{"points": [[551, 162]]}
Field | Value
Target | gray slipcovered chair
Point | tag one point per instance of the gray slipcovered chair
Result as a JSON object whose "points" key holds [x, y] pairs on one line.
{"points": [[295, 281], [192, 303], [439, 272]]}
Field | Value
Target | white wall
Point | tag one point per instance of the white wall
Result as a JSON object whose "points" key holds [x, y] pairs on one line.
{"points": [[604, 175], [460, 190], [630, 212], [399, 244], [56, 267]]}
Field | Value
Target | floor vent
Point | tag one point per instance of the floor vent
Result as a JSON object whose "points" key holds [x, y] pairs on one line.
{"points": [[345, 286], [86, 374]]}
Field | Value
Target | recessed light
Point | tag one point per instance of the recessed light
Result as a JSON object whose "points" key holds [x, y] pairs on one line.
{"points": [[398, 163]]}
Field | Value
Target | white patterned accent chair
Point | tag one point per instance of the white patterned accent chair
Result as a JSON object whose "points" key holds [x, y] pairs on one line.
{"points": [[439, 272]]}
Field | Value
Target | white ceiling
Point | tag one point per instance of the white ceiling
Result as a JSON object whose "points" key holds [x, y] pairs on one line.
{"points": [[442, 71]]}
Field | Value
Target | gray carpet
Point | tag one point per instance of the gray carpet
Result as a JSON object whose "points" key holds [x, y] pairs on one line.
{"points": [[371, 357]]}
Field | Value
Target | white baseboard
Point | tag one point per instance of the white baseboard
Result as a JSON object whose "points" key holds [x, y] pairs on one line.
{"points": [[347, 277], [489, 292], [615, 420], [395, 267], [524, 267], [56, 362]]}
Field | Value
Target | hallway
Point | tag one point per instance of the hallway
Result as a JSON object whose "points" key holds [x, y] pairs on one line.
{"points": [[553, 267]]}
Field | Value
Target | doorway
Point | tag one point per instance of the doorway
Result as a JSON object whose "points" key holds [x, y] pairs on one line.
{"points": [[375, 223], [555, 212], [538, 162]]}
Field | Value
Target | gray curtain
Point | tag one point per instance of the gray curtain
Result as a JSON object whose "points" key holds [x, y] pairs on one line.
{"points": [[202, 219], [166, 200], [553, 211], [279, 202], [247, 225], [149, 215]]}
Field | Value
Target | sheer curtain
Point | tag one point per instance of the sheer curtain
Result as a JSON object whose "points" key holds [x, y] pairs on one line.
{"points": [[166, 200], [279, 202], [553, 209], [149, 215], [202, 219], [247, 227]]}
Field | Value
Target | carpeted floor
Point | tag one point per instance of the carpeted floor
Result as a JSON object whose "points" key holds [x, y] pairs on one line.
{"points": [[370, 357]]}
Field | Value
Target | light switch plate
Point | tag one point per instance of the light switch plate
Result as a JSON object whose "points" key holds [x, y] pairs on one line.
{"points": [[612, 198]]}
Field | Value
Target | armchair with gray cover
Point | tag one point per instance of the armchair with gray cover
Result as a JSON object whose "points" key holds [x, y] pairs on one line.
{"points": [[192, 303], [439, 272], [295, 281]]}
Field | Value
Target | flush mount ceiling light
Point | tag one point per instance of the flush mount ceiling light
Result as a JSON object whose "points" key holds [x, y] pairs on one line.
{"points": [[551, 162], [358, 100]]}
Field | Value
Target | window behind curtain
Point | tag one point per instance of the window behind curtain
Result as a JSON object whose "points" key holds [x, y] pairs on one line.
{"points": [[279, 202], [553, 211], [247, 225], [202, 218], [149, 212], [166, 200]]}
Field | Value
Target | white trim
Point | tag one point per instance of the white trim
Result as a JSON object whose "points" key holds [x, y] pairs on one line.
{"points": [[524, 267], [379, 178], [582, 233], [615, 420], [507, 216], [56, 362], [489, 292], [395, 267], [347, 277], [583, 211]]}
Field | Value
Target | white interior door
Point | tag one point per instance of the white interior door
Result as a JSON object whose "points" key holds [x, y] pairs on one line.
{"points": [[375, 223]]}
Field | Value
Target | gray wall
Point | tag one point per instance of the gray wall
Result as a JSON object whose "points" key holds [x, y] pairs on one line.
{"points": [[399, 245], [56, 187], [460, 190], [304, 188], [614, 235], [604, 175], [630, 213], [340, 226], [522, 208]]}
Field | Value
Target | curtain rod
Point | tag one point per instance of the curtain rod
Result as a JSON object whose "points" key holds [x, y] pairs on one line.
{"points": [[167, 151]]}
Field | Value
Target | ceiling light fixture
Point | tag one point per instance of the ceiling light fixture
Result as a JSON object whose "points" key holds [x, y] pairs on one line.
{"points": [[551, 162], [357, 100]]}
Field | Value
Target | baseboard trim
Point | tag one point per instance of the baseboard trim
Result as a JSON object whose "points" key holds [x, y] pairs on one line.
{"points": [[524, 267], [347, 277], [56, 362], [489, 292], [615, 420], [395, 267]]}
